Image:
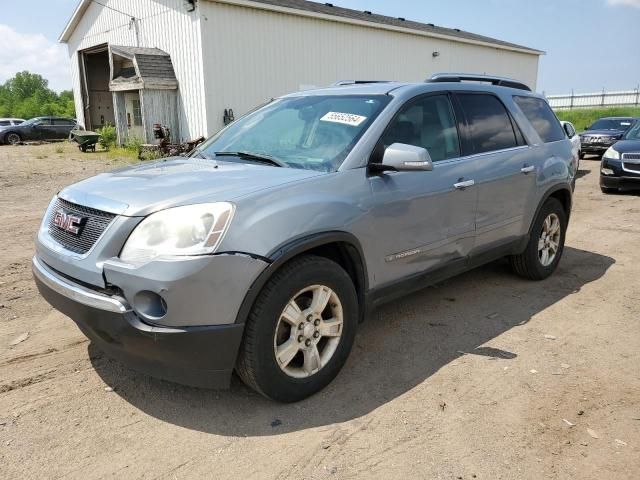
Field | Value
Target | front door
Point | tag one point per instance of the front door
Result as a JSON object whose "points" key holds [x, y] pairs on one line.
{"points": [[423, 220], [134, 115]]}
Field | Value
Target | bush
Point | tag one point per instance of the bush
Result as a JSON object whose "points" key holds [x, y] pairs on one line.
{"points": [[108, 136], [134, 144]]}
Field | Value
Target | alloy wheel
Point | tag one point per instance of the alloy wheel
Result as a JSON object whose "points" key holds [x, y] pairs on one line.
{"points": [[308, 331], [549, 242]]}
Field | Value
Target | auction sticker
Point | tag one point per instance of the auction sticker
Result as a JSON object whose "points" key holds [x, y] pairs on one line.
{"points": [[344, 118]]}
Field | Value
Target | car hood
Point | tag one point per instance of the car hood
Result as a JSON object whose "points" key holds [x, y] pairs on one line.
{"points": [[628, 146], [602, 133], [149, 187]]}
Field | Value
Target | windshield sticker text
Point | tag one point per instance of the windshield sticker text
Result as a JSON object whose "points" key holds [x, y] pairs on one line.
{"points": [[344, 118]]}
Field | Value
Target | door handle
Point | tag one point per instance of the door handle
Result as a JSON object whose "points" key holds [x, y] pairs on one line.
{"points": [[527, 170], [463, 185]]}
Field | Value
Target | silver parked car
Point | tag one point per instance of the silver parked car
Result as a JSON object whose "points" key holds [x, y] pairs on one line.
{"points": [[265, 250]]}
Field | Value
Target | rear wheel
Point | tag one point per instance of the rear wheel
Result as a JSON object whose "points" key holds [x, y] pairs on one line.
{"points": [[546, 244], [300, 331], [13, 138], [582, 155]]}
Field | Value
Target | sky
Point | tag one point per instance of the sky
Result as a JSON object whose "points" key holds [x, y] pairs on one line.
{"points": [[589, 44]]}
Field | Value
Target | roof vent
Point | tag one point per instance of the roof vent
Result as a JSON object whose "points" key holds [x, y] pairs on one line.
{"points": [[368, 12], [402, 19], [329, 4], [431, 24], [456, 29]]}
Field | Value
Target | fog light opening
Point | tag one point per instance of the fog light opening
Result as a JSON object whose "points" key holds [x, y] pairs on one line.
{"points": [[607, 171], [150, 305]]}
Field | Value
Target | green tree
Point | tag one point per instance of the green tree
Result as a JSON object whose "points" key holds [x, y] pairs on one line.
{"points": [[28, 95]]}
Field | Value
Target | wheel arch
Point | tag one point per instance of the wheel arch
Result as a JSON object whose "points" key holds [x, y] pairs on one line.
{"points": [[560, 192], [340, 247]]}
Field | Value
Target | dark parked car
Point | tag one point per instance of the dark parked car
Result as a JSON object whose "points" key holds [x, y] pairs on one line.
{"points": [[597, 138], [39, 128], [620, 169]]}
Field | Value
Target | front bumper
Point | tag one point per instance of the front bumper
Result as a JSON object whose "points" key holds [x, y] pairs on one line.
{"points": [[592, 149], [620, 183], [197, 356]]}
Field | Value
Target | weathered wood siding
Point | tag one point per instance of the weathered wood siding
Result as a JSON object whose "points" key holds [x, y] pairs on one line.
{"points": [[121, 116], [160, 106]]}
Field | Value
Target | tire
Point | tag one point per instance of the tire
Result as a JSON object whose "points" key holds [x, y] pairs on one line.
{"points": [[268, 330], [607, 190], [531, 263], [12, 138], [581, 155]]}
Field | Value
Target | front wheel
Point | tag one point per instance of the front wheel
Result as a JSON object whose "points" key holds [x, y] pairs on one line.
{"points": [[546, 244], [13, 138], [581, 155], [300, 331], [607, 190]]}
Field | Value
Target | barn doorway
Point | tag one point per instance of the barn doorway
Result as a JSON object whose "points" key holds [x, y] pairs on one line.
{"points": [[97, 100]]}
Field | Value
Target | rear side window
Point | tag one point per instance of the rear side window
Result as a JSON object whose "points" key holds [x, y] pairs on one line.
{"points": [[542, 118], [4, 123], [489, 124], [62, 121]]}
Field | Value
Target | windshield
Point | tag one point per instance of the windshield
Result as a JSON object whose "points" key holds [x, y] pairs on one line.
{"points": [[611, 124], [634, 133], [311, 132]]}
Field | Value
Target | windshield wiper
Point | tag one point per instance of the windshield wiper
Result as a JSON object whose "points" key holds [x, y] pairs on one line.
{"points": [[200, 154], [258, 157]]}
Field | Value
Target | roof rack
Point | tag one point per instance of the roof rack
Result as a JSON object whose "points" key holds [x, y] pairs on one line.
{"points": [[469, 77], [357, 82]]}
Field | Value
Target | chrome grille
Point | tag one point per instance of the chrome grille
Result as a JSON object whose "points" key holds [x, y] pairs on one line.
{"points": [[631, 156], [96, 223]]}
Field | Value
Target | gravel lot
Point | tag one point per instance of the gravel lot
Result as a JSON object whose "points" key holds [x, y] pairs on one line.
{"points": [[484, 376]]}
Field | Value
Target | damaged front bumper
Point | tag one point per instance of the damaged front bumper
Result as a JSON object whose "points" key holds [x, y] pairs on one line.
{"points": [[175, 320]]}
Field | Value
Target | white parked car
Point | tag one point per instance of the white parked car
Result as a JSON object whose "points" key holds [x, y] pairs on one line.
{"points": [[9, 122], [570, 130], [576, 145]]}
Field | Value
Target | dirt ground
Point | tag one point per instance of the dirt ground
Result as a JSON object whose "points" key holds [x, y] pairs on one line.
{"points": [[484, 376]]}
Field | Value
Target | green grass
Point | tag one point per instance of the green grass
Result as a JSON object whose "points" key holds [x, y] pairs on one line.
{"points": [[584, 117], [121, 153]]}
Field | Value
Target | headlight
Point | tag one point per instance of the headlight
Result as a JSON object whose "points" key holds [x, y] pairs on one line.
{"points": [[181, 231], [612, 154]]}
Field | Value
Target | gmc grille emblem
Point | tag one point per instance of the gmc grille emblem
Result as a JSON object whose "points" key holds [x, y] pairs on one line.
{"points": [[69, 223]]}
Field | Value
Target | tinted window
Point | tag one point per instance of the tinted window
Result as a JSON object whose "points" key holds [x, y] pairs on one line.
{"points": [[4, 123], [429, 123], [542, 118], [570, 130], [490, 126], [62, 121]]}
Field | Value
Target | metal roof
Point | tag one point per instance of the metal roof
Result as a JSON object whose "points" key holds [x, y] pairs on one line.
{"points": [[360, 16], [343, 14]]}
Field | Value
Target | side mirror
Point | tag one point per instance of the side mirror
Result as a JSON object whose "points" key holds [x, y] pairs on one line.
{"points": [[567, 130], [400, 157]]}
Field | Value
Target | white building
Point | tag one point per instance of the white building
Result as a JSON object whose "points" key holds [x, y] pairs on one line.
{"points": [[183, 63]]}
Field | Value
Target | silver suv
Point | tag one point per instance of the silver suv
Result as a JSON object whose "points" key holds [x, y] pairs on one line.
{"points": [[263, 251]]}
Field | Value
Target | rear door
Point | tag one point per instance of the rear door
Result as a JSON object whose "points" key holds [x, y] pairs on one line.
{"points": [[62, 127], [506, 169], [421, 221]]}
